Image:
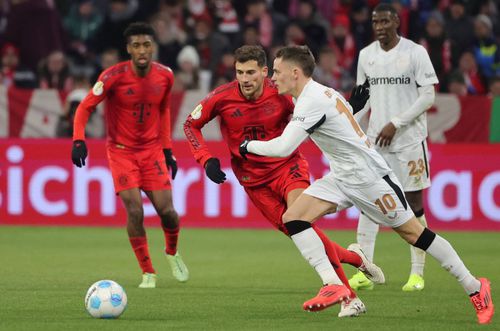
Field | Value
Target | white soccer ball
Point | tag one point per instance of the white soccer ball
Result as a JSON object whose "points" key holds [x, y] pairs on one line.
{"points": [[105, 299]]}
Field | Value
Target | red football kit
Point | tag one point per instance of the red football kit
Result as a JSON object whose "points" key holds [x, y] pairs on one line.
{"points": [[267, 180], [137, 124]]}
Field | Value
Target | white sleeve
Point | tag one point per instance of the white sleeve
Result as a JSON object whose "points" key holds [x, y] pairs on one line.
{"points": [[424, 101], [424, 71], [280, 146]]}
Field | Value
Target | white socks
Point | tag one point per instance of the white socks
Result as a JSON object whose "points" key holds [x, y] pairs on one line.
{"points": [[442, 251], [313, 250], [367, 233], [418, 255]]}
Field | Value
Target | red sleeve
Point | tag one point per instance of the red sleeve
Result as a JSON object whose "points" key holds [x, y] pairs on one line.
{"points": [[165, 125], [201, 115], [88, 104]]}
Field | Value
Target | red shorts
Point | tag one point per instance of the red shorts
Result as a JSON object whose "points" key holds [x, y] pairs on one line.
{"points": [[270, 198], [145, 169]]}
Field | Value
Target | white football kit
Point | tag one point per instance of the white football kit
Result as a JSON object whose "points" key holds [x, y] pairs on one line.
{"points": [[359, 175], [394, 77]]}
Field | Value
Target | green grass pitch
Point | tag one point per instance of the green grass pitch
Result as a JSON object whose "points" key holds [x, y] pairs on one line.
{"points": [[240, 280]]}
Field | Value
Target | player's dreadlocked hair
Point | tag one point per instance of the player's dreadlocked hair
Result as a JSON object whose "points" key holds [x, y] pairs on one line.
{"points": [[138, 28], [249, 53], [301, 55]]}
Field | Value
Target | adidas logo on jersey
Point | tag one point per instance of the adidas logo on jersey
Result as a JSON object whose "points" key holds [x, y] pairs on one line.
{"points": [[402, 80], [237, 113]]}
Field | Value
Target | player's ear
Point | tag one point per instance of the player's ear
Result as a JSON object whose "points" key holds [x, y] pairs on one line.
{"points": [[265, 71], [128, 48], [396, 20]]}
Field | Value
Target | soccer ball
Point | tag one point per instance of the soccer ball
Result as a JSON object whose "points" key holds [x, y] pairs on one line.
{"points": [[105, 299]]}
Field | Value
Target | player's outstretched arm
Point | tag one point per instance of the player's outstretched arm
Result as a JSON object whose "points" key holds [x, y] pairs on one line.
{"points": [[171, 161], [281, 146]]}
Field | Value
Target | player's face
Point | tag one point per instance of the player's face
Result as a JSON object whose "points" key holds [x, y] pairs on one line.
{"points": [[141, 48], [250, 78], [385, 26], [284, 76]]}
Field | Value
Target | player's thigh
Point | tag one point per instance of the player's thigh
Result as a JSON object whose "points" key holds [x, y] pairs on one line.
{"points": [[269, 203], [124, 169], [411, 166], [161, 200], [320, 198], [383, 201], [132, 200], [154, 173]]}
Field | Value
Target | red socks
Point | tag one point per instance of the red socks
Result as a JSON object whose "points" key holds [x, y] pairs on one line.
{"points": [[140, 247], [332, 253], [346, 256], [171, 236]]}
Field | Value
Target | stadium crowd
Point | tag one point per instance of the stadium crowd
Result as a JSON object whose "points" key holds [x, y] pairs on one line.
{"points": [[65, 44]]}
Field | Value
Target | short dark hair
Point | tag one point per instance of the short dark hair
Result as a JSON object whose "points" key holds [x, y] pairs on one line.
{"points": [[385, 7], [301, 55], [138, 28], [251, 52]]}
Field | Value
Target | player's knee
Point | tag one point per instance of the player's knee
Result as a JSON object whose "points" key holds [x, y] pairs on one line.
{"points": [[289, 216], [168, 214], [135, 213]]}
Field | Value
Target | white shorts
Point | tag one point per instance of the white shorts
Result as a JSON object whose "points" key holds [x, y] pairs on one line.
{"points": [[410, 165], [383, 201]]}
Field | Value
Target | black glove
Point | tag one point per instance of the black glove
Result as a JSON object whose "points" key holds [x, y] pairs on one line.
{"points": [[79, 153], [359, 96], [171, 161], [243, 149], [212, 169]]}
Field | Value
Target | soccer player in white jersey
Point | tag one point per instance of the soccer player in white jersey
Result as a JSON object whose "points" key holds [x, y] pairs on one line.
{"points": [[401, 79], [359, 176]]}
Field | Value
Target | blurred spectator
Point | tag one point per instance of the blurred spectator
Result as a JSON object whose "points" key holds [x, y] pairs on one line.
{"points": [[294, 35], [491, 9], [170, 39], [95, 126], [120, 14], [209, 44], [108, 58], [250, 36], [459, 29], [342, 42], [472, 77], [82, 24], [12, 73], [313, 25], [225, 70], [54, 72], [329, 73], [495, 86], [437, 45], [270, 25], [327, 8], [36, 28], [361, 24], [486, 49], [456, 83], [187, 77], [227, 20]]}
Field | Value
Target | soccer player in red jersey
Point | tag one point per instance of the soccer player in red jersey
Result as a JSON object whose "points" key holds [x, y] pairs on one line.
{"points": [[139, 145], [251, 108]]}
